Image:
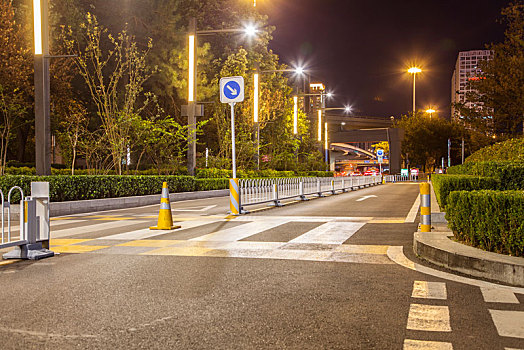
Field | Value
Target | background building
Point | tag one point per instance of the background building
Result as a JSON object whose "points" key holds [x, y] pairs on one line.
{"points": [[466, 69], [316, 102]]}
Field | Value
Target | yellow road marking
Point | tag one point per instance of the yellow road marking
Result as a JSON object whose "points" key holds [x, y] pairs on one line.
{"points": [[150, 243], [9, 262], [386, 221], [60, 242], [363, 249], [78, 248], [115, 218], [186, 251]]}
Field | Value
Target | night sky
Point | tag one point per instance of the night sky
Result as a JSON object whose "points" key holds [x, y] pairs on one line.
{"points": [[361, 48]]}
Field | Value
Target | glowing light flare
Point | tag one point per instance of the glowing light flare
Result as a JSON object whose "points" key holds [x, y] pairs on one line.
{"points": [[347, 109], [414, 70], [295, 115], [255, 97], [319, 125], [329, 95], [191, 80], [37, 12], [299, 70], [250, 30]]}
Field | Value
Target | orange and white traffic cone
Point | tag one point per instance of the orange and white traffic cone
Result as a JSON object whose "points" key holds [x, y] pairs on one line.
{"points": [[165, 220]]}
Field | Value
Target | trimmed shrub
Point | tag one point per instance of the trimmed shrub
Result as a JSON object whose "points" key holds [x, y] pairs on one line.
{"points": [[445, 184], [211, 184], [510, 174], [69, 188], [510, 150], [253, 174], [490, 220]]}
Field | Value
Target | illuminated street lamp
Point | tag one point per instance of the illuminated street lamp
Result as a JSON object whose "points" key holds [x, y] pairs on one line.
{"points": [[326, 144], [414, 71], [249, 30], [430, 111], [295, 115], [256, 102], [42, 105]]}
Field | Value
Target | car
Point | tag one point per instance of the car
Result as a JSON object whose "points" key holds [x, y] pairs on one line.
{"points": [[355, 173], [371, 173]]}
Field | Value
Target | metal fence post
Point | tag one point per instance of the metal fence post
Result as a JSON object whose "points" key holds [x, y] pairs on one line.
{"points": [[343, 185], [275, 195], [333, 186], [301, 189]]}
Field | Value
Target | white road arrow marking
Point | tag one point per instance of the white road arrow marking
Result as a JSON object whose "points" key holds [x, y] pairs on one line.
{"points": [[233, 91], [366, 197]]}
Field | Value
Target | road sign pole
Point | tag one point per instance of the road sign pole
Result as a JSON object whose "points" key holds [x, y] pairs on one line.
{"points": [[233, 150]]}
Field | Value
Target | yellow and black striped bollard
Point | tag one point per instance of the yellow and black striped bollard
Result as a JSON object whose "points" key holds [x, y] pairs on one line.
{"points": [[425, 207]]}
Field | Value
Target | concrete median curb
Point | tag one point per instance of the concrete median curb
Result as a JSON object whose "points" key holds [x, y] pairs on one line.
{"points": [[439, 249], [94, 205]]}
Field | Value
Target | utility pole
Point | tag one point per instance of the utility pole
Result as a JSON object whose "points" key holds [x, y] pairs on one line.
{"points": [[192, 97], [42, 98]]}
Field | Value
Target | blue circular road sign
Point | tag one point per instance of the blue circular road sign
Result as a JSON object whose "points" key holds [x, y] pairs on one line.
{"points": [[232, 90], [380, 152]]}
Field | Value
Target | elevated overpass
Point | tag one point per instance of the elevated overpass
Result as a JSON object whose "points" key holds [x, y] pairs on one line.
{"points": [[345, 130]]}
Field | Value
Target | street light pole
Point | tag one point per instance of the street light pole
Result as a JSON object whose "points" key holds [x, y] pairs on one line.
{"points": [[42, 88], [414, 71]]}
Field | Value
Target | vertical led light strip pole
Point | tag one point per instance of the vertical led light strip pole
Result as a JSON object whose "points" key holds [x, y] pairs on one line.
{"points": [[42, 106], [414, 71], [295, 115], [191, 99], [319, 125], [326, 145], [256, 95]]}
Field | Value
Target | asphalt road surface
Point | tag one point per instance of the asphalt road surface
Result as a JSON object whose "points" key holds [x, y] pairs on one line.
{"points": [[331, 273]]}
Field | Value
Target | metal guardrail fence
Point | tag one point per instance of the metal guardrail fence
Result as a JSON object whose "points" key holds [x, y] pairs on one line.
{"points": [[32, 239], [259, 191], [401, 178], [9, 239]]}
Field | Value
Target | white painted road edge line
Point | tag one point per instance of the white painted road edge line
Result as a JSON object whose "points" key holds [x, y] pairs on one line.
{"points": [[396, 254], [412, 215]]}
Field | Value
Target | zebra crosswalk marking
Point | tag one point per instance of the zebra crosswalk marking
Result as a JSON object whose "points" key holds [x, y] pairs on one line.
{"points": [[429, 290], [242, 231], [329, 233], [322, 243], [431, 318], [495, 295]]}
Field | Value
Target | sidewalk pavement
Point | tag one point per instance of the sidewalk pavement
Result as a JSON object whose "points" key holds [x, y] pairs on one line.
{"points": [[439, 248]]}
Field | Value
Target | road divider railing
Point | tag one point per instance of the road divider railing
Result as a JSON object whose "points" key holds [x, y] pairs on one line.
{"points": [[273, 191], [400, 178], [31, 238]]}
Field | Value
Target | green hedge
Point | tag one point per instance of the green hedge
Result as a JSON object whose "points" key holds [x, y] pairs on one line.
{"points": [[509, 150], [69, 188], [491, 220], [445, 184], [250, 174], [510, 174]]}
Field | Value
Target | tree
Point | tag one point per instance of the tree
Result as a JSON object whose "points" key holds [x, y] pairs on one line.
{"points": [[425, 140], [15, 75], [500, 88], [115, 79]]}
